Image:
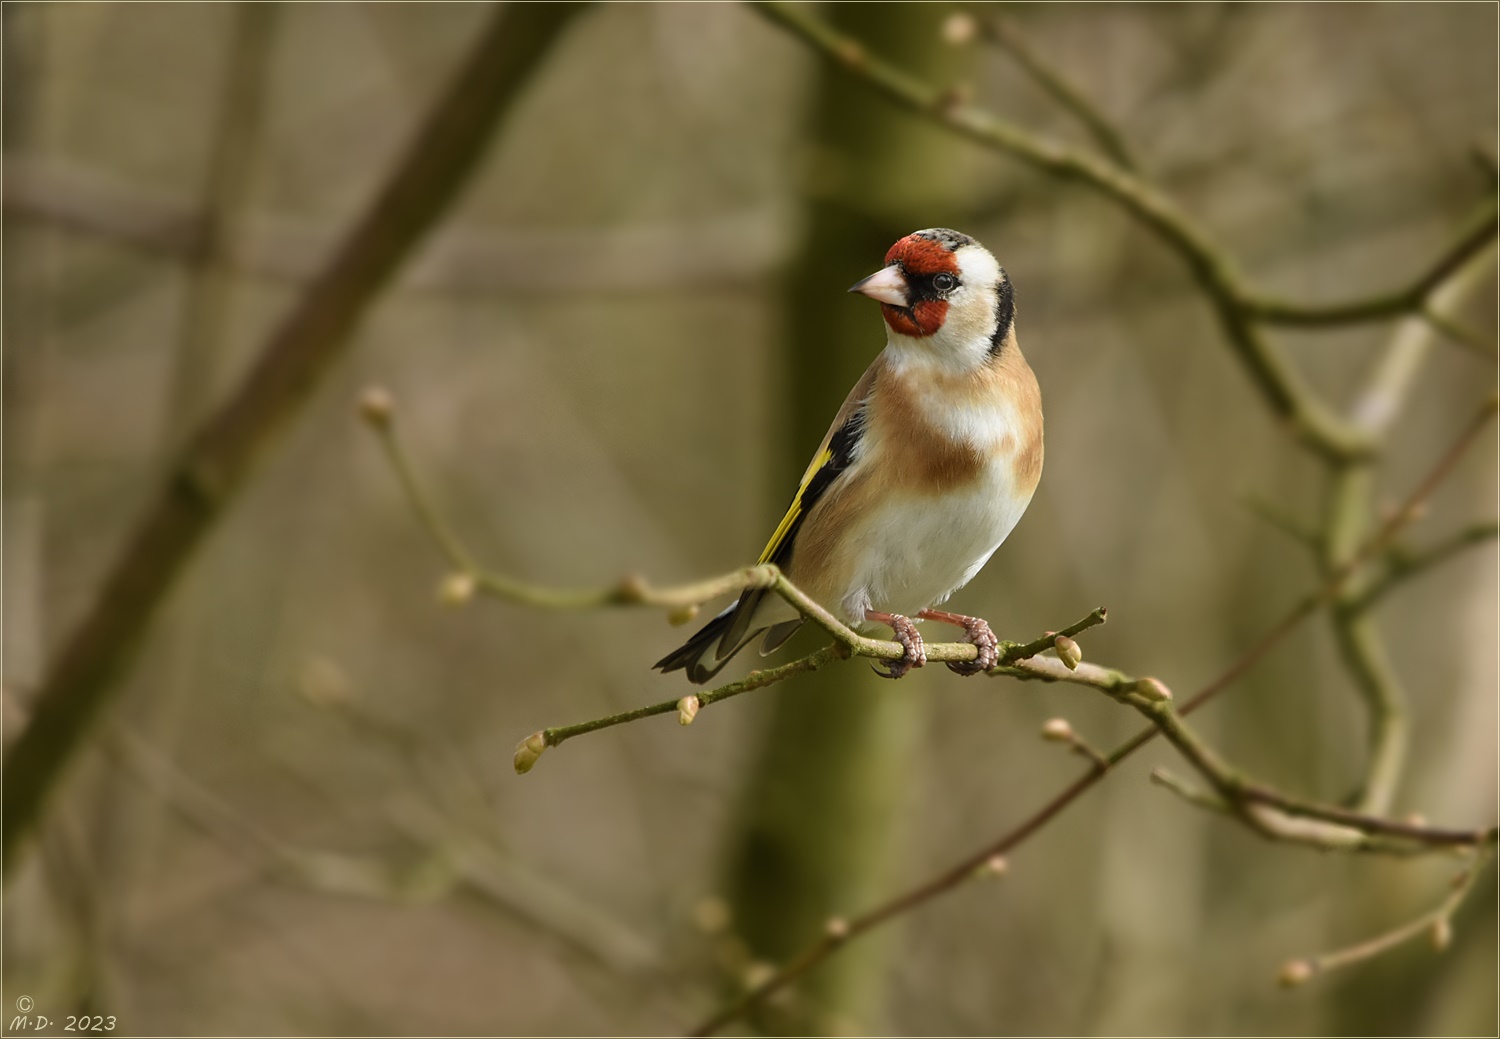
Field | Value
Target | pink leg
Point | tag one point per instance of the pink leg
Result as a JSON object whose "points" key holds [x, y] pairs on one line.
{"points": [[908, 636], [976, 632]]}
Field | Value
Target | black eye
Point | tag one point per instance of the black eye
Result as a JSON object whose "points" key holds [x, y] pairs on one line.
{"points": [[945, 283]]}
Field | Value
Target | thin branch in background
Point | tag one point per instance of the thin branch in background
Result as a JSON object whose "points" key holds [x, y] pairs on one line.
{"points": [[739, 247], [1456, 332], [1281, 517], [218, 461], [1437, 925], [1404, 564], [1475, 233], [1004, 33], [443, 866]]}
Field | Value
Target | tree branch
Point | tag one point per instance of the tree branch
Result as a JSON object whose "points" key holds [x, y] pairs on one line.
{"points": [[1111, 681], [221, 457], [1003, 33], [1240, 309], [1453, 331], [1437, 924], [1252, 801], [1404, 564], [1284, 390], [1475, 232], [378, 410]]}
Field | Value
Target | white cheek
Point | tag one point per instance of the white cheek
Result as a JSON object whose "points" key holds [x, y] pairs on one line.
{"points": [[971, 317]]}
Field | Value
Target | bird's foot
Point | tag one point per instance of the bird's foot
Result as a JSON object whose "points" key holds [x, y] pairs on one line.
{"points": [[913, 652], [976, 632]]}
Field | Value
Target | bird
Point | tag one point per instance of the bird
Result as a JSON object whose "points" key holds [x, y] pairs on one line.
{"points": [[927, 468]]}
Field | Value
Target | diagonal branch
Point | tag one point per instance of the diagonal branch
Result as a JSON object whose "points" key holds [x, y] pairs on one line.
{"points": [[1436, 923], [1003, 33], [1405, 564], [220, 458], [1474, 234]]}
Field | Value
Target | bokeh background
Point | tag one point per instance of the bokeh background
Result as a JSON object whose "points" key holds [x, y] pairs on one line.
{"points": [[612, 355]]}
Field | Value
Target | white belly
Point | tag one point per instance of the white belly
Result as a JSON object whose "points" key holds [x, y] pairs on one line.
{"points": [[918, 551]]}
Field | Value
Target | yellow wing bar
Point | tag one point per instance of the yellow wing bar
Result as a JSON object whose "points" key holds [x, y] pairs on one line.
{"points": [[790, 519]]}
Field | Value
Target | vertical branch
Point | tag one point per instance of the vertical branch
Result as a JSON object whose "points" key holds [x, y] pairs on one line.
{"points": [[222, 455], [1349, 512], [1350, 501]]}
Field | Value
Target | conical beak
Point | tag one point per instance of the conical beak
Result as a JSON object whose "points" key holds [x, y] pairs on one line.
{"points": [[887, 286]]}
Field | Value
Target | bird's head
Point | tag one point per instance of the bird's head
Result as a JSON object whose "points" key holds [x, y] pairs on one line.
{"points": [[943, 293]]}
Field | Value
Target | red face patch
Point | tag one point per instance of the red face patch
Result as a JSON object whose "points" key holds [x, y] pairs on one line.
{"points": [[919, 258], [921, 319]]}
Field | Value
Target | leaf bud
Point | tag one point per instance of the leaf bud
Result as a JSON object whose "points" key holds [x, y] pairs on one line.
{"points": [[527, 752], [376, 407], [1294, 973], [1058, 730], [456, 589], [1153, 690], [1068, 651]]}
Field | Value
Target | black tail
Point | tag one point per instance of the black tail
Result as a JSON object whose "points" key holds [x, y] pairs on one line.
{"points": [[690, 655]]}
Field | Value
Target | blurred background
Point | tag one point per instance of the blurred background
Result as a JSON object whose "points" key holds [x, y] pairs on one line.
{"points": [[614, 354]]}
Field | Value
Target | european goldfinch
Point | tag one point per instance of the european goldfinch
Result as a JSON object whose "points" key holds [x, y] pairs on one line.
{"points": [[926, 469]]}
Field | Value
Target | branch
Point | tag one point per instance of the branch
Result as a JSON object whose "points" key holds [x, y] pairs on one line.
{"points": [[1475, 233], [1282, 518], [1231, 790], [1438, 924], [966, 868], [686, 708], [737, 247], [1240, 309], [1018, 660], [1404, 564], [378, 410], [1468, 338], [1003, 33], [220, 458], [1285, 392]]}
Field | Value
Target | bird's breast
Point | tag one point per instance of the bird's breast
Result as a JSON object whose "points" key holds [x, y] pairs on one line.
{"points": [[945, 472]]}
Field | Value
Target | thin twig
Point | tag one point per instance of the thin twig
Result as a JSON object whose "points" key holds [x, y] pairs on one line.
{"points": [[1437, 924], [754, 680], [1456, 332], [856, 645], [1405, 564], [1004, 33], [1475, 232], [1277, 515]]}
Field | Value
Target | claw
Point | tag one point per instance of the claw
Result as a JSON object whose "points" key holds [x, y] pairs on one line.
{"points": [[977, 633], [914, 654]]}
